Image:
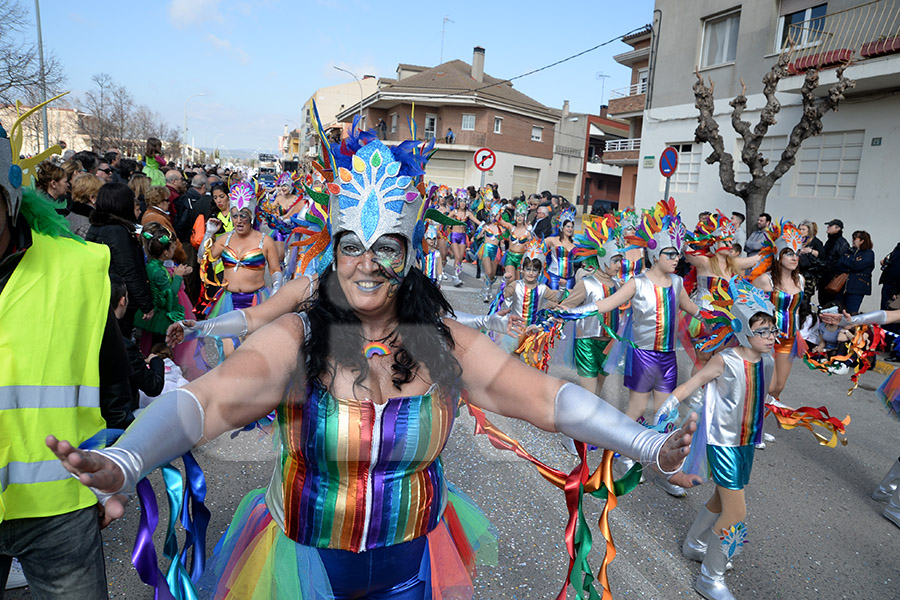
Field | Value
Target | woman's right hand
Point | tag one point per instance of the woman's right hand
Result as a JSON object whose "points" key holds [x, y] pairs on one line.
{"points": [[95, 471], [175, 332], [213, 224]]}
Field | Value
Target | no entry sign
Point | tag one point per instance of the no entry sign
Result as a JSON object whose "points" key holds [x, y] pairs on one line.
{"points": [[485, 159], [668, 161]]}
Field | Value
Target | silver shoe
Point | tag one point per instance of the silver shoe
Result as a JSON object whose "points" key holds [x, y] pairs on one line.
{"points": [[891, 512], [710, 583], [888, 484], [694, 546], [669, 487]]}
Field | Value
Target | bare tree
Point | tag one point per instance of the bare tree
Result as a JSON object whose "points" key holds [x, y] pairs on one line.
{"points": [[755, 191], [121, 108], [98, 104], [20, 67]]}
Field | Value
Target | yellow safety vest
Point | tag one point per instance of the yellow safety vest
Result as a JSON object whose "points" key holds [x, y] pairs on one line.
{"points": [[52, 314]]}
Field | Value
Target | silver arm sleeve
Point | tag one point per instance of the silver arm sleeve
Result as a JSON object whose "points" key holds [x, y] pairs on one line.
{"points": [[879, 317], [490, 322], [277, 280], [169, 427], [580, 310], [589, 418], [231, 324]]}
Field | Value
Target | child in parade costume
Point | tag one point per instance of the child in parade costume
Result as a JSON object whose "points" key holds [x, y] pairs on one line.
{"points": [[656, 296], [366, 384], [731, 422], [560, 252], [601, 251], [458, 237], [634, 261], [784, 284], [519, 236], [159, 244], [245, 255], [526, 297]]}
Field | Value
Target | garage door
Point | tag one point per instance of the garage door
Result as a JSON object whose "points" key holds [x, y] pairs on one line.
{"points": [[525, 179], [444, 170], [565, 186]]}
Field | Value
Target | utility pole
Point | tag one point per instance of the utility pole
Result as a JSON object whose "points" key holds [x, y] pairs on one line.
{"points": [[37, 18], [443, 27], [602, 77]]}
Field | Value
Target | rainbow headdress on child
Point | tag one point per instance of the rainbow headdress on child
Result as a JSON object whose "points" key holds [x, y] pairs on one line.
{"points": [[601, 240], [732, 307], [535, 250], [660, 228], [372, 190], [713, 234]]}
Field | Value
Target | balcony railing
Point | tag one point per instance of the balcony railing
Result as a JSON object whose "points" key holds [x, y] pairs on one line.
{"points": [[632, 90], [619, 145], [865, 31]]}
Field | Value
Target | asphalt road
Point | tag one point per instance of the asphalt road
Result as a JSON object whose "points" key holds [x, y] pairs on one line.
{"points": [[814, 531]]}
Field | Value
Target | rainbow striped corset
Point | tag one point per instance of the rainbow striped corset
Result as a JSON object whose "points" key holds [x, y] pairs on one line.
{"points": [[359, 475], [787, 309]]}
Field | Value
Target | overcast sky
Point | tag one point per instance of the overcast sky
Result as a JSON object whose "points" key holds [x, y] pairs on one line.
{"points": [[257, 62]]}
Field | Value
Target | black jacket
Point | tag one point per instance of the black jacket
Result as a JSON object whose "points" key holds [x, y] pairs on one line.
{"points": [[543, 228], [811, 266], [836, 247], [859, 264], [146, 377], [126, 256], [890, 271]]}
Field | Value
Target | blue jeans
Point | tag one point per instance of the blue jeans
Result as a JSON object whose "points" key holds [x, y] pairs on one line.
{"points": [[62, 556], [852, 302]]}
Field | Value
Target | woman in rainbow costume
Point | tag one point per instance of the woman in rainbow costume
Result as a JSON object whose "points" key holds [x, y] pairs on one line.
{"points": [[784, 284], [245, 254], [277, 209], [365, 385], [519, 236], [561, 254]]}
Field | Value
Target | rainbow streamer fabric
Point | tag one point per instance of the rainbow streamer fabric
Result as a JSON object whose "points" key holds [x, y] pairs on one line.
{"points": [[889, 392]]}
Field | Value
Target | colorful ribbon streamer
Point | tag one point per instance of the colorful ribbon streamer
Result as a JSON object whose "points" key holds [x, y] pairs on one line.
{"points": [[808, 417]]}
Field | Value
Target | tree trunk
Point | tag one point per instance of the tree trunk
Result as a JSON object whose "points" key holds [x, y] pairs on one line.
{"points": [[754, 205]]}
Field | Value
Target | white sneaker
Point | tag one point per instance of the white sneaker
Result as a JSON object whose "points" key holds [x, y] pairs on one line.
{"points": [[768, 437], [457, 281], [16, 577]]}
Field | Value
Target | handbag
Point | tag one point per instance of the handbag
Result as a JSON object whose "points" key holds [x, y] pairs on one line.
{"points": [[836, 285]]}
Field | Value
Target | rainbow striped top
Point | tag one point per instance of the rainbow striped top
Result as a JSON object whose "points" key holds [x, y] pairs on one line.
{"points": [[254, 259], [735, 416], [787, 307], [358, 475], [562, 263], [526, 303], [430, 262], [655, 311]]}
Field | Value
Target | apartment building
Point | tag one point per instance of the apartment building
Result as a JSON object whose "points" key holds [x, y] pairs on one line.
{"points": [[848, 171]]}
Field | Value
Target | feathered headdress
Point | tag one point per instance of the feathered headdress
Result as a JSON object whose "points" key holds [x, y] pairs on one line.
{"points": [[784, 236], [601, 238], [660, 228], [372, 190], [288, 178], [567, 215], [713, 234], [521, 208], [732, 307], [14, 172], [245, 195], [535, 250]]}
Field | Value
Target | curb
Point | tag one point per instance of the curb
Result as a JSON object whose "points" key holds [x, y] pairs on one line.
{"points": [[883, 367]]}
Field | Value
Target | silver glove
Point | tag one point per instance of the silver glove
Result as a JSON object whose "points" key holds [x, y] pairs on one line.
{"points": [[169, 427], [589, 418], [878, 317], [492, 322], [276, 281], [231, 324]]}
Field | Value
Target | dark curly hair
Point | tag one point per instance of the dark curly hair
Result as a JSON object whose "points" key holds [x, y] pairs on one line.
{"points": [[336, 336]]}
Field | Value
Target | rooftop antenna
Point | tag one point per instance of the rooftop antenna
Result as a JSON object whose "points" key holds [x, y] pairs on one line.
{"points": [[602, 77], [443, 27]]}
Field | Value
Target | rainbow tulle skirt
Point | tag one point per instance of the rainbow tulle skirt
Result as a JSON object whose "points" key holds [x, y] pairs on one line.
{"points": [[254, 560]]}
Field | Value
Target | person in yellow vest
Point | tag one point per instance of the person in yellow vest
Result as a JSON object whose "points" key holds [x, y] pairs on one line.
{"points": [[55, 315]]}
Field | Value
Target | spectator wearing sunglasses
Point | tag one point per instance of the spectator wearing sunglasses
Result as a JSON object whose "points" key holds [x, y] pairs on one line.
{"points": [[104, 171]]}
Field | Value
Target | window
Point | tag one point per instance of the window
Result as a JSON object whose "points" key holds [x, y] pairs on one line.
{"points": [[800, 24], [720, 36], [828, 165], [468, 123], [771, 148], [498, 124], [394, 123], [537, 133], [687, 176], [643, 77], [430, 127]]}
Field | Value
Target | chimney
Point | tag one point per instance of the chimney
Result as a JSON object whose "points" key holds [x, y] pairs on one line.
{"points": [[565, 109], [604, 110], [478, 64]]}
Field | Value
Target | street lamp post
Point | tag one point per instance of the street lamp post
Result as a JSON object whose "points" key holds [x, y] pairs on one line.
{"points": [[184, 130], [37, 15], [360, 90]]}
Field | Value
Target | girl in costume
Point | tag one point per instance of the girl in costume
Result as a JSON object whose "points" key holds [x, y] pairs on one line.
{"points": [[277, 209], [710, 253], [245, 255], [784, 284], [634, 261], [489, 252], [656, 296], [159, 244], [602, 251], [731, 426], [458, 239], [561, 254], [525, 298], [365, 385], [519, 236]]}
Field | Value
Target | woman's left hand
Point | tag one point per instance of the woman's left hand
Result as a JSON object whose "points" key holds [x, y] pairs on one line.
{"points": [[677, 447]]}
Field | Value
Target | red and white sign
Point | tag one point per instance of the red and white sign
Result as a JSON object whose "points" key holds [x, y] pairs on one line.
{"points": [[485, 159]]}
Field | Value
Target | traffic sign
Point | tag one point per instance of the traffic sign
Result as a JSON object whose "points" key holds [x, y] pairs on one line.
{"points": [[668, 161], [485, 159]]}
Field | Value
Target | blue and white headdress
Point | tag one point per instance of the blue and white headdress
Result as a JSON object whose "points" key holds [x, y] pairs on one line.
{"points": [[732, 307]]}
